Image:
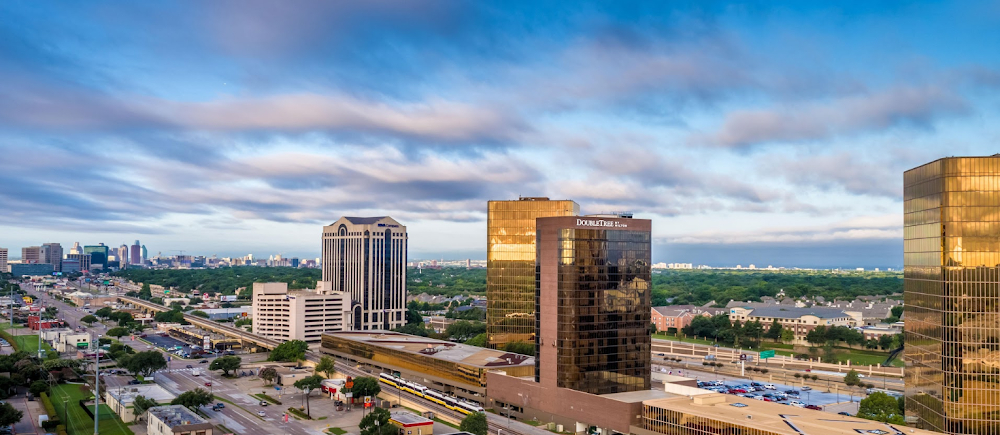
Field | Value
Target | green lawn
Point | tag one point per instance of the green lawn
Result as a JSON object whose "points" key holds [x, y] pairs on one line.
{"points": [[337, 431], [683, 339], [65, 399], [29, 343]]}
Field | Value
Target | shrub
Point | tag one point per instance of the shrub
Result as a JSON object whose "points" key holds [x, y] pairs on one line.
{"points": [[764, 371], [299, 414], [798, 375], [815, 377]]}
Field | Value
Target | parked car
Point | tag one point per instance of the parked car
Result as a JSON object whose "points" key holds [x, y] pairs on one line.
{"points": [[806, 388], [770, 386], [797, 404], [815, 407], [134, 382], [844, 413]]}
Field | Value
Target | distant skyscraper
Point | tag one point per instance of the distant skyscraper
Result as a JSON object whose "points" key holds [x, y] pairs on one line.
{"points": [[3, 260], [593, 305], [122, 256], [76, 249], [136, 254], [510, 266], [31, 254], [145, 254], [52, 253], [951, 290], [366, 257], [98, 254]]}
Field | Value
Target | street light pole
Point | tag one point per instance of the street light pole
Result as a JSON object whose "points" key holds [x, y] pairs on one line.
{"points": [[97, 382]]}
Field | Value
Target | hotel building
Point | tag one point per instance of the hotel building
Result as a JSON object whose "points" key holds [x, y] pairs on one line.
{"points": [[952, 294], [299, 314], [510, 265], [366, 257]]}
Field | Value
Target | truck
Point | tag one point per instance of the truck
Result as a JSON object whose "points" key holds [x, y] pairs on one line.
{"points": [[196, 372]]}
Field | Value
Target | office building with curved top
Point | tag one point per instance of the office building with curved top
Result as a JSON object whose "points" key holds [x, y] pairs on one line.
{"points": [[510, 265], [366, 257], [951, 292]]}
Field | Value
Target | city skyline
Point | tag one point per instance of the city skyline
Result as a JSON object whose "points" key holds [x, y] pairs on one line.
{"points": [[769, 134]]}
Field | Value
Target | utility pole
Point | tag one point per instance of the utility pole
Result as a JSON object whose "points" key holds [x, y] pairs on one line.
{"points": [[97, 381]]}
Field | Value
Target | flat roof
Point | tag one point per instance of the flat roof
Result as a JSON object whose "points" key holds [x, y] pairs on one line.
{"points": [[409, 418], [782, 312], [176, 415], [439, 349], [126, 393], [777, 418]]}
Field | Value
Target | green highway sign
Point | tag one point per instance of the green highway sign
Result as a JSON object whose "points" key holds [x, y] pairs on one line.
{"points": [[766, 354]]}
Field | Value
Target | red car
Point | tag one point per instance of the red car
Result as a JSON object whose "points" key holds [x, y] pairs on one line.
{"points": [[208, 384], [814, 407]]}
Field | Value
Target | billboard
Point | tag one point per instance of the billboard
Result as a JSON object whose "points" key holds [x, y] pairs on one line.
{"points": [[227, 298]]}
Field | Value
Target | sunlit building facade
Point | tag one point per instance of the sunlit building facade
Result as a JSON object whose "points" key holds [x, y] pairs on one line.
{"points": [[952, 295], [510, 265], [593, 303]]}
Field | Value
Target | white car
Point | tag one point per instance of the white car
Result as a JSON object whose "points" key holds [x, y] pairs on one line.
{"points": [[797, 404], [260, 413], [770, 386], [757, 397]]}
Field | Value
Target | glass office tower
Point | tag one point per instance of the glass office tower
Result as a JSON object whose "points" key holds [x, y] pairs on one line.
{"points": [[952, 294], [510, 266], [593, 303]]}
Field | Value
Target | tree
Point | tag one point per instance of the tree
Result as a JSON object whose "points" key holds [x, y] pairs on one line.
{"points": [[199, 313], [88, 319], [104, 313], [141, 404], [242, 322], [308, 385], [880, 407], [145, 363], [412, 316], [121, 317], [226, 364], [774, 332], [852, 378], [474, 423], [326, 366], [268, 374], [366, 386], [520, 347], [38, 387], [146, 292], [787, 336], [377, 423], [289, 351], [417, 329], [193, 399], [479, 340], [463, 330], [9, 415], [118, 332]]}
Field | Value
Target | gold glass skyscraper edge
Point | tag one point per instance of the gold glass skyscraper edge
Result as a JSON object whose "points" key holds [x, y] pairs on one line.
{"points": [[951, 234], [510, 265]]}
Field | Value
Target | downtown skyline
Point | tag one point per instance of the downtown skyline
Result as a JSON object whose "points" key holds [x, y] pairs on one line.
{"points": [[761, 133]]}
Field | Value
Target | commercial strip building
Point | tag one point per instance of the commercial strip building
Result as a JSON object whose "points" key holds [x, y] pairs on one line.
{"points": [[510, 265], [176, 419], [952, 294], [121, 399], [366, 258], [299, 314], [798, 320], [411, 424], [66, 339], [454, 368]]}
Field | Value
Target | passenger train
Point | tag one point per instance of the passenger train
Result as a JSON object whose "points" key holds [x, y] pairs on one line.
{"points": [[432, 395]]}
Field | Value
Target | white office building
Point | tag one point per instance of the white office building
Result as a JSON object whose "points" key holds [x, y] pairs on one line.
{"points": [[366, 257], [299, 314]]}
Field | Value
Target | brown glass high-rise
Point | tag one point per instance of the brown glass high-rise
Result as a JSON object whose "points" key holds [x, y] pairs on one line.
{"points": [[510, 266], [593, 303], [952, 294]]}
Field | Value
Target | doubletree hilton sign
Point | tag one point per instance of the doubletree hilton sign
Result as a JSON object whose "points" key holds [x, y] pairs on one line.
{"points": [[600, 223]]}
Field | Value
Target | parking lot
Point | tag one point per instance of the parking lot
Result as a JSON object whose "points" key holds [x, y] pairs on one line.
{"points": [[166, 342], [802, 395]]}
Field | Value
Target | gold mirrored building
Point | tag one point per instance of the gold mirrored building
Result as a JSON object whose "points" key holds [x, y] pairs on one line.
{"points": [[510, 265], [952, 294]]}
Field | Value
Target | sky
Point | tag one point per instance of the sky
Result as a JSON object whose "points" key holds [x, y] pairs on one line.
{"points": [[749, 132]]}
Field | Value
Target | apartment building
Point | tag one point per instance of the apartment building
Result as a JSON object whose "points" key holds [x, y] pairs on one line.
{"points": [[3, 260], [671, 317], [299, 314]]}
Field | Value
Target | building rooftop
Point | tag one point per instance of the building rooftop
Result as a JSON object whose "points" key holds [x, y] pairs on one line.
{"points": [[776, 418], [126, 394], [408, 418], [783, 312], [439, 349], [364, 220], [177, 415]]}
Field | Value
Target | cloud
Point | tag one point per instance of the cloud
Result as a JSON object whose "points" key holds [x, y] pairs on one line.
{"points": [[918, 106], [842, 170], [880, 227]]}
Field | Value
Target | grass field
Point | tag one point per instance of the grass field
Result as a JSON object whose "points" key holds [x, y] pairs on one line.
{"points": [[857, 356], [29, 343], [65, 399]]}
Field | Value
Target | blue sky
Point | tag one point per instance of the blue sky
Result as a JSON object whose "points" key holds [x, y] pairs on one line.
{"points": [[234, 127]]}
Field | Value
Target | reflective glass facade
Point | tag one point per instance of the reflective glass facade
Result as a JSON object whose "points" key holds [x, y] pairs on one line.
{"points": [[601, 280], [952, 294], [510, 266]]}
